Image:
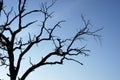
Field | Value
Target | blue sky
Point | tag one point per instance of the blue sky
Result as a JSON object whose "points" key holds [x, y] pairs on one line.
{"points": [[104, 60]]}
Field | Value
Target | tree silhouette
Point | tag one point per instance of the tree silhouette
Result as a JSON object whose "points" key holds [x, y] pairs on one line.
{"points": [[11, 42]]}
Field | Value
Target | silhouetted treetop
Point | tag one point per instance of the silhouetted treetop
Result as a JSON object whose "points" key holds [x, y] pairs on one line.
{"points": [[13, 38]]}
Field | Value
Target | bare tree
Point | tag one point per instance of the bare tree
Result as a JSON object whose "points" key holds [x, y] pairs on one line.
{"points": [[10, 43]]}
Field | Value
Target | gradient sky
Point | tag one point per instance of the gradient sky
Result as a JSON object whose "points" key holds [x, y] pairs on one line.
{"points": [[104, 60]]}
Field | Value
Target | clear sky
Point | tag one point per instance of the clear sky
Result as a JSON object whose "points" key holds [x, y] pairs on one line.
{"points": [[104, 60]]}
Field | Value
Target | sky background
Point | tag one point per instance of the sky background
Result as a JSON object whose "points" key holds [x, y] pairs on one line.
{"points": [[104, 60]]}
